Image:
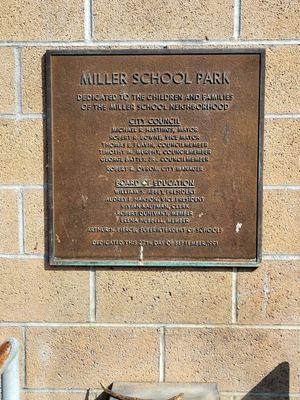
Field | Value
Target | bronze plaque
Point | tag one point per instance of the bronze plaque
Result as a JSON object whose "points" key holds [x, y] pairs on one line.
{"points": [[155, 157]]}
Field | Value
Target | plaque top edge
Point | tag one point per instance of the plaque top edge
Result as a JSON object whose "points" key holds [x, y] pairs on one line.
{"points": [[165, 51]]}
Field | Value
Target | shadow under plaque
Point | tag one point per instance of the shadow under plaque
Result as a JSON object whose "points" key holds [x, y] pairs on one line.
{"points": [[155, 157]]}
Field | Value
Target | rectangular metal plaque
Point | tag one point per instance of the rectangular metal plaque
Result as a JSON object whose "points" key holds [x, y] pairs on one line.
{"points": [[155, 157]]}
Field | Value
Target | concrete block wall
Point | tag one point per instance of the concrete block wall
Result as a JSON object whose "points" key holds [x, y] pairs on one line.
{"points": [[78, 327]]}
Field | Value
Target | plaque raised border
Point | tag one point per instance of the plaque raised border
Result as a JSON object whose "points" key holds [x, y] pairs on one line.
{"points": [[54, 260]]}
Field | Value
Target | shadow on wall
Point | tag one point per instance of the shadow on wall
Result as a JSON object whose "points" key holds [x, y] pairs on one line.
{"points": [[102, 396], [275, 385]]}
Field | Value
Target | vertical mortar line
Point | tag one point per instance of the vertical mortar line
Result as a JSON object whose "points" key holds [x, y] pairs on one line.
{"points": [[24, 333], [162, 351], [237, 19], [21, 221], [88, 20], [234, 297], [91, 20], [18, 78], [92, 295]]}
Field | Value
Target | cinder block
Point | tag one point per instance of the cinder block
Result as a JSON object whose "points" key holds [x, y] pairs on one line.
{"points": [[9, 225], [7, 81], [165, 20], [164, 296], [30, 292], [272, 19], [42, 20], [22, 162], [83, 357], [34, 220], [56, 396], [33, 70], [282, 78], [281, 216], [269, 294], [281, 152], [238, 359]]}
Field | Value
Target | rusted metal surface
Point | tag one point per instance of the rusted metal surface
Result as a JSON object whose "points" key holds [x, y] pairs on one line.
{"points": [[4, 352], [155, 157]]}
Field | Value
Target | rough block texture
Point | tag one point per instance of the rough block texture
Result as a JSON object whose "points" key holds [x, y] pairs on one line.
{"points": [[271, 19], [164, 296], [33, 70], [56, 396], [22, 161], [281, 216], [7, 81], [262, 297], [34, 220], [84, 357], [37, 293], [197, 19], [281, 155], [235, 358], [282, 75], [42, 20], [9, 235]]}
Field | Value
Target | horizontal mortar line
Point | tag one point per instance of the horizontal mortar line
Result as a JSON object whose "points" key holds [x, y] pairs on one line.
{"points": [[287, 115], [285, 257], [146, 325], [24, 187], [281, 187], [133, 42], [23, 256], [22, 116]]}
